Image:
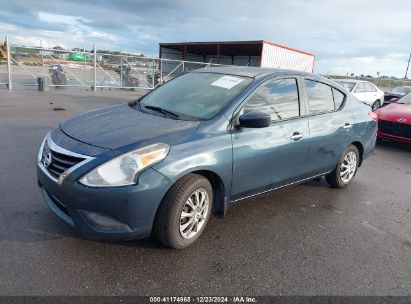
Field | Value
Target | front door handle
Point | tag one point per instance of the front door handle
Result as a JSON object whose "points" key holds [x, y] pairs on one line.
{"points": [[347, 126], [296, 136]]}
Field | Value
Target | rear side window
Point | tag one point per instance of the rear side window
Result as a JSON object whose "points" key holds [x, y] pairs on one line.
{"points": [[320, 97], [278, 98], [369, 87], [338, 98]]}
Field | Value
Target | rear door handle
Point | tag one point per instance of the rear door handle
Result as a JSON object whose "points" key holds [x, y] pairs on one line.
{"points": [[347, 126], [296, 136]]}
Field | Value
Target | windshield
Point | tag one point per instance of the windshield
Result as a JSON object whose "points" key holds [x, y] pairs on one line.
{"points": [[402, 89], [347, 85], [195, 95], [406, 99]]}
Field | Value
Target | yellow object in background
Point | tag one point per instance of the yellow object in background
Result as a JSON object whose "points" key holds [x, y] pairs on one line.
{"points": [[3, 51]]}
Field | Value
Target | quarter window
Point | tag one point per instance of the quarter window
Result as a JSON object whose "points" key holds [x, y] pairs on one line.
{"points": [[278, 98], [320, 97], [338, 98]]}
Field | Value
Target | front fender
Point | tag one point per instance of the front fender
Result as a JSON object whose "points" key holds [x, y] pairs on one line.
{"points": [[209, 153]]}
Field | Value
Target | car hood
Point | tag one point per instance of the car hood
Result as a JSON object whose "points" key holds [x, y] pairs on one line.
{"points": [[395, 110], [399, 94], [119, 126]]}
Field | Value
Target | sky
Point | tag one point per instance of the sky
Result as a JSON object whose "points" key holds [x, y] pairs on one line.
{"points": [[361, 37]]}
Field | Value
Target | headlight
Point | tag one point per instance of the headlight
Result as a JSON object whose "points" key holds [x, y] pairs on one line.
{"points": [[122, 170]]}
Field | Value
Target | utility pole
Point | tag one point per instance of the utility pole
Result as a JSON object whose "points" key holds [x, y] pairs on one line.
{"points": [[408, 65]]}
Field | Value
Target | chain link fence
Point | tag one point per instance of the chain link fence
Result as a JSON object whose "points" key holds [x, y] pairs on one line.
{"points": [[61, 68], [21, 66]]}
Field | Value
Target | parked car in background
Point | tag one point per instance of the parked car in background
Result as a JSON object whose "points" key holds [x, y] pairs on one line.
{"points": [[364, 91], [394, 120], [395, 94], [196, 145]]}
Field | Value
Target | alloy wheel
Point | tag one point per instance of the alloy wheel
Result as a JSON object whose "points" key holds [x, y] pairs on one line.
{"points": [[194, 213], [375, 106], [348, 167]]}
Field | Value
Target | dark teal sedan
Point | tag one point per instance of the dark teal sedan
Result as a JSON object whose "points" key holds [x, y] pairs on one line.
{"points": [[197, 144]]}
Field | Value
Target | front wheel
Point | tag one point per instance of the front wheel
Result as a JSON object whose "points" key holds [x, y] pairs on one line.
{"points": [[346, 168], [184, 212], [375, 106]]}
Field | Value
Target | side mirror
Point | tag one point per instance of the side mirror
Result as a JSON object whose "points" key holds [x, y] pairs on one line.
{"points": [[254, 119]]}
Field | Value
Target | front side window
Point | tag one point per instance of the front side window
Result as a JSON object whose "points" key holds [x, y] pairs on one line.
{"points": [[278, 98], [320, 97], [195, 95], [348, 85], [404, 90], [360, 88]]}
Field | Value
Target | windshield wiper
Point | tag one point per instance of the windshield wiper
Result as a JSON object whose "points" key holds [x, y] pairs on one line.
{"points": [[166, 113]]}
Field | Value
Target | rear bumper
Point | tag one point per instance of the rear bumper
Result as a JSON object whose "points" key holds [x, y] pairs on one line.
{"points": [[106, 213], [393, 137]]}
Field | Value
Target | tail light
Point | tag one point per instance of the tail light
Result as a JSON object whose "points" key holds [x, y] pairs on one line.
{"points": [[373, 116]]}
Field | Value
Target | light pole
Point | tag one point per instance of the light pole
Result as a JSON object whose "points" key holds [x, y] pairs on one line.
{"points": [[408, 65]]}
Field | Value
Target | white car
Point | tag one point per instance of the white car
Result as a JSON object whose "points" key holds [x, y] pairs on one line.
{"points": [[364, 91]]}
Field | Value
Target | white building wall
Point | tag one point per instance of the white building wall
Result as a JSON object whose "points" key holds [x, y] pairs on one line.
{"points": [[274, 56]]}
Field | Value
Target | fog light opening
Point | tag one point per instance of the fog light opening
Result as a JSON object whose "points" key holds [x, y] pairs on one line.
{"points": [[104, 222]]}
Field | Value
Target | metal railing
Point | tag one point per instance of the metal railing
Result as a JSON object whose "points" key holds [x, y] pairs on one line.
{"points": [[94, 70]]}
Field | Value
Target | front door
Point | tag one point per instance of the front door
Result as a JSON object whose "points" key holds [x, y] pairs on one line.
{"points": [[265, 158]]}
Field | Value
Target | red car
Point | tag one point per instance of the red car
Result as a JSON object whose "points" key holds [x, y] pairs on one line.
{"points": [[394, 120]]}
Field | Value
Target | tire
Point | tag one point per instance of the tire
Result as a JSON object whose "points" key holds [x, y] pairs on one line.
{"points": [[376, 105], [170, 221], [337, 178]]}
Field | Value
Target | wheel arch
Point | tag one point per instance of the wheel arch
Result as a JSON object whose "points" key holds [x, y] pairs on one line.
{"points": [[219, 194], [360, 148]]}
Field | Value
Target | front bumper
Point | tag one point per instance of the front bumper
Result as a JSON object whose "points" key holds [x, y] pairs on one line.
{"points": [[393, 137], [106, 213]]}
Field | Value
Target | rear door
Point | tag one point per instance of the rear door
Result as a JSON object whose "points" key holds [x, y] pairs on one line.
{"points": [[360, 93], [371, 93], [265, 158], [330, 123]]}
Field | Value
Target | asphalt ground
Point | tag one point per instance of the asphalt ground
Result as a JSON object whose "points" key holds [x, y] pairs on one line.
{"points": [[302, 240]]}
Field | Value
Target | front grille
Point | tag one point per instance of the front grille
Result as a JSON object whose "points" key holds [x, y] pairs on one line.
{"points": [[56, 163], [395, 128]]}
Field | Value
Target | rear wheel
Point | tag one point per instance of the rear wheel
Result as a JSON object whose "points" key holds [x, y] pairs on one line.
{"points": [[184, 212], [346, 168], [376, 105]]}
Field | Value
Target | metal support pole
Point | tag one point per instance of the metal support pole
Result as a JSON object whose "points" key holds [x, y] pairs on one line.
{"points": [[84, 60], [161, 70], [121, 71], [154, 72], [95, 68], [42, 53], [8, 63]]}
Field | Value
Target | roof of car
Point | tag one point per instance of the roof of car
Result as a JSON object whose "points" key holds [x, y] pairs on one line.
{"points": [[350, 80], [250, 71]]}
